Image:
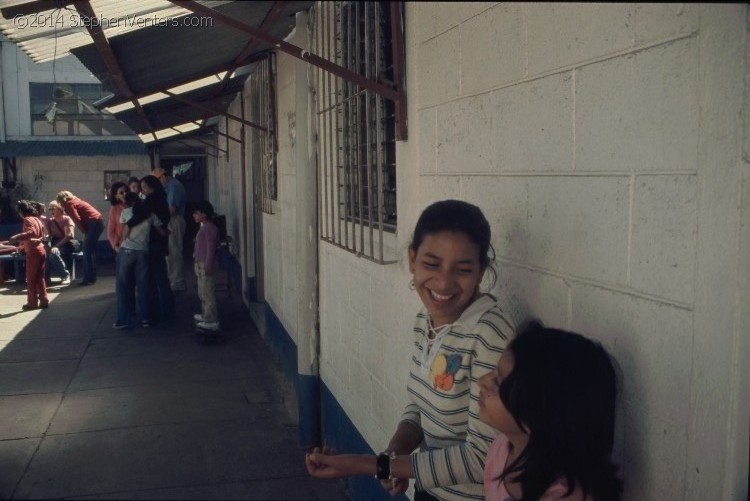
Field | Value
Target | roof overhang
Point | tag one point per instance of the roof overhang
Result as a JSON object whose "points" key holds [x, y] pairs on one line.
{"points": [[175, 68]]}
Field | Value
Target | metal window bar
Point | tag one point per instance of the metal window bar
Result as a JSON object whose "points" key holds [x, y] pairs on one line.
{"points": [[357, 142], [261, 104]]}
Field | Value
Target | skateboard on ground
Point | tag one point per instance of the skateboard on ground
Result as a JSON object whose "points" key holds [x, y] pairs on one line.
{"points": [[209, 336]]}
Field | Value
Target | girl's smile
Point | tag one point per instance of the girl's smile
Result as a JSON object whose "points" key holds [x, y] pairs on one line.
{"points": [[447, 272]]}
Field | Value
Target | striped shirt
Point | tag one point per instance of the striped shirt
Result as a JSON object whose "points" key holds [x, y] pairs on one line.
{"points": [[445, 398]]}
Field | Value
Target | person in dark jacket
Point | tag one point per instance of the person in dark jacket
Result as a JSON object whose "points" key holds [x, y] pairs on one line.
{"points": [[163, 308]]}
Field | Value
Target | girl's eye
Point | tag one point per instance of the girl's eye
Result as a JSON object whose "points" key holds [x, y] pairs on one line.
{"points": [[430, 265], [465, 271]]}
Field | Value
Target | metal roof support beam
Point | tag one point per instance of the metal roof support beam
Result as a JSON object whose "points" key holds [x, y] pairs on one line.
{"points": [[190, 146], [221, 133], [94, 28], [293, 50], [207, 73], [183, 134], [213, 111]]}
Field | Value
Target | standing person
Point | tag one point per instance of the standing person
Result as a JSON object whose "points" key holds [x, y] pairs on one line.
{"points": [[32, 238], [132, 260], [206, 242], [160, 293], [458, 337], [176, 198], [89, 221], [552, 396], [117, 201], [61, 230]]}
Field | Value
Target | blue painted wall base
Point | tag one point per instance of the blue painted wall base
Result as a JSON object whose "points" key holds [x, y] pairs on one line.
{"points": [[340, 433]]}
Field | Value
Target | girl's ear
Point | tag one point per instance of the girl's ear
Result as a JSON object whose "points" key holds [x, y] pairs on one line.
{"points": [[412, 259]]}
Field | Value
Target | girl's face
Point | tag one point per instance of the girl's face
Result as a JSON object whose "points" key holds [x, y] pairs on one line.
{"points": [[199, 217], [56, 212], [135, 187], [447, 272], [120, 194], [146, 188], [492, 411]]}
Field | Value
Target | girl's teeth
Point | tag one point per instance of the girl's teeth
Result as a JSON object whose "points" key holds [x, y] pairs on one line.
{"points": [[439, 297]]}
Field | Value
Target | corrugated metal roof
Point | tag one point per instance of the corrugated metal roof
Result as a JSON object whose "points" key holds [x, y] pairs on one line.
{"points": [[160, 57], [71, 148], [56, 31], [170, 112]]}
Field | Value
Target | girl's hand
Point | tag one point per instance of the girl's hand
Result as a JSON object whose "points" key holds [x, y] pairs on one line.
{"points": [[324, 464], [395, 486]]}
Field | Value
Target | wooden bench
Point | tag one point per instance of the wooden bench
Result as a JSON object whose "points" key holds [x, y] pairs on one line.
{"points": [[19, 264]]}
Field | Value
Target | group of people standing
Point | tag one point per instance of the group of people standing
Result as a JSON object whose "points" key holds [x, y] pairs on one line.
{"points": [[145, 228]]}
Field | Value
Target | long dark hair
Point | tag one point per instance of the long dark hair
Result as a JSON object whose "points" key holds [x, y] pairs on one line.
{"points": [[153, 183], [563, 391], [113, 191], [25, 208], [459, 217]]}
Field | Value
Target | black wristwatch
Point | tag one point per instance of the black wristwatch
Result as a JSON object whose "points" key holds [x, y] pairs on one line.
{"points": [[383, 466]]}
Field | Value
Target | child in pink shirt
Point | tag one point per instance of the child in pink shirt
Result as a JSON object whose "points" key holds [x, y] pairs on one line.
{"points": [[206, 242], [552, 397]]}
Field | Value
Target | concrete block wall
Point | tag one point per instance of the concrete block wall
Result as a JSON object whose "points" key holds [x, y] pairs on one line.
{"points": [[605, 145]]}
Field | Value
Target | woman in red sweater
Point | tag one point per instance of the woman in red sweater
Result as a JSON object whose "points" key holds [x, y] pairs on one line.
{"points": [[32, 236], [89, 221]]}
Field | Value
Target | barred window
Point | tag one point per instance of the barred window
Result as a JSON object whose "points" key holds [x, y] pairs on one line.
{"points": [[262, 111], [356, 127]]}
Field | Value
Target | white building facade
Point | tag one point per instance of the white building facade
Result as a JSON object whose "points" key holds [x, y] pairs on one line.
{"points": [[609, 147]]}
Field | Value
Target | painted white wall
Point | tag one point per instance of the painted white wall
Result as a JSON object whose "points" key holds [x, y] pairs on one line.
{"points": [[606, 145]]}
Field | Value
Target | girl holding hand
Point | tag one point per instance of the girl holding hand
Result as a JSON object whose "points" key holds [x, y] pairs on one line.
{"points": [[458, 336]]}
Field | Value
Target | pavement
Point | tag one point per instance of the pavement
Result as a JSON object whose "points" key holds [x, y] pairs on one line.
{"points": [[87, 411]]}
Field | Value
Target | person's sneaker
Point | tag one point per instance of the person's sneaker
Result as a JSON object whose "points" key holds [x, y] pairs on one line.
{"points": [[198, 317], [120, 326], [65, 281], [146, 324], [209, 326]]}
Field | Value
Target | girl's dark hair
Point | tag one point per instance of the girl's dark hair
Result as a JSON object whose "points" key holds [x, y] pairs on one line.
{"points": [[133, 179], [152, 182], [25, 209], [38, 207], [456, 216], [562, 391], [113, 191], [205, 207], [132, 199]]}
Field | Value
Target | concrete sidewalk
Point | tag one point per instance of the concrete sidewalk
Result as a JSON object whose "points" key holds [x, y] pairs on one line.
{"points": [[87, 411]]}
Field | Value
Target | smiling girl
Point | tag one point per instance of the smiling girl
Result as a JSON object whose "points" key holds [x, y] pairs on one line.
{"points": [[458, 336]]}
